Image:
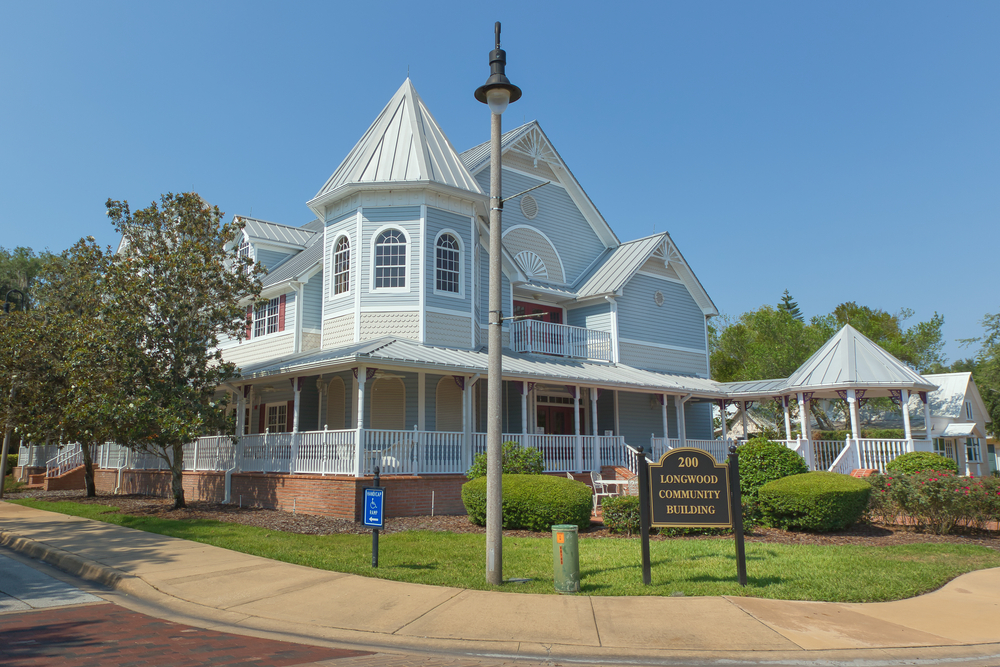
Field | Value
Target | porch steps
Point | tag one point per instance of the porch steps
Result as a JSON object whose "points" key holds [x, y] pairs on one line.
{"points": [[69, 480]]}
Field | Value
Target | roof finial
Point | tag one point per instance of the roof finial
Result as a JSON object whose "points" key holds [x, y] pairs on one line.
{"points": [[496, 29]]}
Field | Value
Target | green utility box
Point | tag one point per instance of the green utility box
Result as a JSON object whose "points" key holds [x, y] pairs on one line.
{"points": [[566, 558]]}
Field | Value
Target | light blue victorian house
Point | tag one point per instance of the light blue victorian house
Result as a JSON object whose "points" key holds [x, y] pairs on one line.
{"points": [[374, 332]]}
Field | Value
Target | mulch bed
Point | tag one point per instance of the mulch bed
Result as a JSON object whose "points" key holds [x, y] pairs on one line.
{"points": [[860, 534]]}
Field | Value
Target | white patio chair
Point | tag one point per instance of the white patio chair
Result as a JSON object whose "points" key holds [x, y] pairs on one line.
{"points": [[600, 488]]}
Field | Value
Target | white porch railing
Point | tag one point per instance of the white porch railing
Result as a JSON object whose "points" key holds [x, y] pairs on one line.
{"points": [[547, 338], [71, 456], [719, 449]]}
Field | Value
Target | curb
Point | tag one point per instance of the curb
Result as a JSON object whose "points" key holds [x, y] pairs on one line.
{"points": [[79, 566]]}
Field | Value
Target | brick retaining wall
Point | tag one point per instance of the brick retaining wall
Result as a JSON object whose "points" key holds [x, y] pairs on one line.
{"points": [[332, 496]]}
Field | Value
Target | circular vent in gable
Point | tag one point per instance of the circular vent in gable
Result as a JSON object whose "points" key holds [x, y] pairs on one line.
{"points": [[529, 207]]}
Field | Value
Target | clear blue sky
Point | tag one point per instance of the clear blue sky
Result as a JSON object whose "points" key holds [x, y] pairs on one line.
{"points": [[841, 150]]}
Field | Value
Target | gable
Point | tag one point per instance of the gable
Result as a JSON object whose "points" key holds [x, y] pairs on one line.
{"points": [[534, 253]]}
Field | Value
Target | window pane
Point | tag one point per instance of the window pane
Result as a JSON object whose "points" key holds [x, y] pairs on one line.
{"points": [[342, 267], [447, 264], [390, 259]]}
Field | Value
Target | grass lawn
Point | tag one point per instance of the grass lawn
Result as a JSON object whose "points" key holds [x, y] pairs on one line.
{"points": [[608, 566]]}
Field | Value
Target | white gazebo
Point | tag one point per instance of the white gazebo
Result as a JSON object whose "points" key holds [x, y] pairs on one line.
{"points": [[852, 368]]}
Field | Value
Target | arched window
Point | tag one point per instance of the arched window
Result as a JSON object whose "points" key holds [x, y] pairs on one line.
{"points": [[448, 405], [390, 259], [342, 266], [388, 404], [336, 402], [448, 264]]}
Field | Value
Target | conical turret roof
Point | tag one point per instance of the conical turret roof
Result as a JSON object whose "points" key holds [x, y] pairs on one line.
{"points": [[852, 360], [404, 144]]}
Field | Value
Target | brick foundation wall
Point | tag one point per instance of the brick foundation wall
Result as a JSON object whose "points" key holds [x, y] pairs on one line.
{"points": [[339, 497]]}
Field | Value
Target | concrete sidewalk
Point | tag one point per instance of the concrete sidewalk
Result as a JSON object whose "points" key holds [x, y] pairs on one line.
{"points": [[225, 590]]}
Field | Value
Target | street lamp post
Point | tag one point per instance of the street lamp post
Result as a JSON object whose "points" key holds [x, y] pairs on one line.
{"points": [[497, 92]]}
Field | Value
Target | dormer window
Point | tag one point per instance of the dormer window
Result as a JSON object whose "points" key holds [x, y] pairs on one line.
{"points": [[265, 318], [244, 251], [390, 259], [342, 266], [448, 266]]}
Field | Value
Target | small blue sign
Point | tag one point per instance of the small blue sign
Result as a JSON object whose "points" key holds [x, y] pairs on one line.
{"points": [[373, 506]]}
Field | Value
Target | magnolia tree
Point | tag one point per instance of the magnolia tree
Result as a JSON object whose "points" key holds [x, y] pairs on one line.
{"points": [[177, 284], [85, 355]]}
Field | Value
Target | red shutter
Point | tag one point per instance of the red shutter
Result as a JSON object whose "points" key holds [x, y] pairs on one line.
{"points": [[281, 314], [249, 321], [262, 418], [290, 411]]}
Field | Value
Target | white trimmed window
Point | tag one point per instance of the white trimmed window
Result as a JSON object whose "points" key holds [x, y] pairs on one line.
{"points": [[277, 418], [968, 409], [390, 259], [244, 251], [973, 452], [265, 318], [342, 266], [448, 264]]}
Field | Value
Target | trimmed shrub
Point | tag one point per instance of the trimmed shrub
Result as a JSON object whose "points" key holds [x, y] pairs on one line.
{"points": [[515, 460], [763, 461], [814, 501], [11, 462], [912, 462], [621, 514], [532, 502]]}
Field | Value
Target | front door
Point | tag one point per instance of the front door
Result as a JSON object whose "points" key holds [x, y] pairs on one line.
{"points": [[555, 420]]}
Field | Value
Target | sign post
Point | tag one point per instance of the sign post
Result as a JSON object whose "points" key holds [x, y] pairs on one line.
{"points": [[688, 489], [373, 515], [643, 469], [737, 509]]}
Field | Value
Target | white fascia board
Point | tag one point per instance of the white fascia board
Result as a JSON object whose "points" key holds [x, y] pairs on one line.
{"points": [[306, 275], [559, 298], [281, 246], [318, 204]]}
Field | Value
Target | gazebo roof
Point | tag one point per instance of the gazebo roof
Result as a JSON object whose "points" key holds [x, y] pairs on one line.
{"points": [[851, 360]]}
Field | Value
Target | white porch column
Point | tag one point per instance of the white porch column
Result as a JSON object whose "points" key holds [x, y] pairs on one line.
{"points": [[743, 419], [320, 392], [593, 429], [904, 402], [722, 411], [803, 416], [852, 403], [663, 416], [422, 401], [297, 387], [788, 418], [241, 413], [524, 407], [615, 349], [576, 429], [681, 424], [360, 437], [927, 414]]}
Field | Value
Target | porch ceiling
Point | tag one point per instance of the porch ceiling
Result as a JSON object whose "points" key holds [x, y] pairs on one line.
{"points": [[401, 353]]}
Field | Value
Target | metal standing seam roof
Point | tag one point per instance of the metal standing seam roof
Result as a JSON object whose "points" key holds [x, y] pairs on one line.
{"points": [[619, 266], [852, 360], [404, 143], [754, 388], [401, 352], [960, 431], [262, 230], [296, 265], [477, 156]]}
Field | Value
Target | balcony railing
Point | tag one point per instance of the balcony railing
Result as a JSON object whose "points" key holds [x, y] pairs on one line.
{"points": [[560, 339]]}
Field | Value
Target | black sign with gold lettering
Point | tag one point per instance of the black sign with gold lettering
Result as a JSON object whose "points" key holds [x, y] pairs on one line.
{"points": [[688, 489]]}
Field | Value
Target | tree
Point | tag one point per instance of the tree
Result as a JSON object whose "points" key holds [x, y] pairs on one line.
{"points": [[921, 345], [80, 396], [177, 287], [788, 305], [19, 269], [986, 371]]}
